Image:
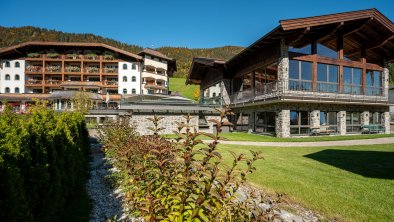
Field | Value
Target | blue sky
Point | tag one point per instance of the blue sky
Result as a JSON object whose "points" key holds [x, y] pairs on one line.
{"points": [[155, 23]]}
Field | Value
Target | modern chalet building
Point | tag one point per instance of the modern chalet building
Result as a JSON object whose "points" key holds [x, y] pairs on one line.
{"points": [[317, 75], [38, 69]]}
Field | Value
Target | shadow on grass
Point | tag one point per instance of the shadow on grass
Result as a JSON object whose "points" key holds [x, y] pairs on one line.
{"points": [[373, 164]]}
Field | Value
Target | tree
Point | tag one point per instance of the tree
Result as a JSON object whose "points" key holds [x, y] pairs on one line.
{"points": [[196, 94]]}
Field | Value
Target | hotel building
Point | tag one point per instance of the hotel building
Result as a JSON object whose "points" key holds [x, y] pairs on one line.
{"points": [[317, 75]]}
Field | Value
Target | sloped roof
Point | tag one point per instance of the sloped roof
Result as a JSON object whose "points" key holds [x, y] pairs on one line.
{"points": [[364, 29], [149, 51], [15, 48]]}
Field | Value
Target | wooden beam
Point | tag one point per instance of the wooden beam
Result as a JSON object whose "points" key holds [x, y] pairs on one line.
{"points": [[358, 29], [340, 25], [298, 36], [376, 44]]}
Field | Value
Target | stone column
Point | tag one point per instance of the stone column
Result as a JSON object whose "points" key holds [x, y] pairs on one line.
{"points": [[385, 81], [282, 123], [283, 67], [341, 120], [386, 122], [315, 118], [251, 122], [364, 118]]}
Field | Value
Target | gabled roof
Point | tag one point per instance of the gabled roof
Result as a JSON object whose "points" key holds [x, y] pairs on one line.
{"points": [[373, 13], [149, 51], [19, 47], [364, 29]]}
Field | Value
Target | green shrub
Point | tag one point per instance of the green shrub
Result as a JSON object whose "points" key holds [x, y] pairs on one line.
{"points": [[182, 180], [43, 158]]}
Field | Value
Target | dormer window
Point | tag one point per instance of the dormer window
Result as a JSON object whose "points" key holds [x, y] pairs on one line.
{"points": [[7, 64], [133, 67], [17, 65], [124, 66]]}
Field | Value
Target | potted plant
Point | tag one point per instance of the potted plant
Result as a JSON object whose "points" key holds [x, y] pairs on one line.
{"points": [[52, 55], [108, 57], [72, 56], [92, 56], [33, 55]]}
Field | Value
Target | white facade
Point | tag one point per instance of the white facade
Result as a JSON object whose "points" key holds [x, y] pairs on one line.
{"points": [[154, 75], [213, 91], [129, 81], [12, 76]]}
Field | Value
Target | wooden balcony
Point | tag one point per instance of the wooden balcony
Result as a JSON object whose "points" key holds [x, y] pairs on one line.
{"points": [[33, 82]]}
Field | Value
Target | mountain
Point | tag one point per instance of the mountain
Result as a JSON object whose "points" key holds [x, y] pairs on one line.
{"points": [[14, 35]]}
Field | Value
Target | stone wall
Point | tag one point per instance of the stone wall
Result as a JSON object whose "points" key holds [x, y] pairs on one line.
{"points": [[386, 122], [315, 118], [282, 124], [364, 118], [341, 121], [283, 67]]}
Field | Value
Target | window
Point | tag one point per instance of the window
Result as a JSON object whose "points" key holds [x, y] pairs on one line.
{"points": [[133, 67], [300, 74], [304, 50], [373, 83], [133, 79], [299, 122], [322, 50], [265, 122], [7, 77], [7, 64], [17, 77], [375, 118], [125, 91], [124, 78], [16, 90], [133, 91], [329, 119], [7, 90], [213, 94], [124, 66], [327, 78], [351, 80], [17, 65], [353, 122]]}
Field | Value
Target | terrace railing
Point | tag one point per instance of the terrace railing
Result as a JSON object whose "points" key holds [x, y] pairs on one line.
{"points": [[302, 90]]}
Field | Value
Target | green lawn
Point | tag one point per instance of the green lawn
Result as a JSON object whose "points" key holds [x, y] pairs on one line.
{"points": [[240, 136], [178, 85], [348, 183]]}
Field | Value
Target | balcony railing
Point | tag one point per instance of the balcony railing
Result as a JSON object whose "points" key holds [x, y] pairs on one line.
{"points": [[31, 68], [110, 70], [299, 90], [92, 69], [33, 82], [53, 82], [72, 69], [37, 56], [53, 68]]}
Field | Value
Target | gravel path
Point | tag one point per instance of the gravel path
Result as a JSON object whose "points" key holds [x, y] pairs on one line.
{"points": [[387, 140], [104, 197]]}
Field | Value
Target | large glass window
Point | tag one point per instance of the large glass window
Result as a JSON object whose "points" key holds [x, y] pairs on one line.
{"points": [[304, 50], [327, 78], [323, 50], [329, 119], [265, 122], [299, 122], [352, 78], [373, 83], [300, 75], [353, 122], [375, 118]]}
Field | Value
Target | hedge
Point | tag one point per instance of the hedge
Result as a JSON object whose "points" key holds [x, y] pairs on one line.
{"points": [[43, 159]]}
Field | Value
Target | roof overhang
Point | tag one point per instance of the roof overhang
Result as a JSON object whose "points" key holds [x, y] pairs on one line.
{"points": [[23, 48], [206, 72]]}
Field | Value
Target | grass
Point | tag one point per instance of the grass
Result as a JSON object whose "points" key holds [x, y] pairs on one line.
{"points": [[346, 183], [241, 136], [178, 85]]}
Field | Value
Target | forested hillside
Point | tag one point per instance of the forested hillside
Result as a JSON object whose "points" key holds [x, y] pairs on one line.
{"points": [[184, 56]]}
